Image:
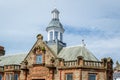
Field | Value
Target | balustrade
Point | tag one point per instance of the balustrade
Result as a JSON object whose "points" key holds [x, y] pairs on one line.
{"points": [[70, 63], [12, 67], [1, 69], [74, 63], [93, 63]]}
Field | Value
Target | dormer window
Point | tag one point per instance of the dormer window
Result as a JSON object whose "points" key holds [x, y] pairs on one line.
{"points": [[39, 59]]}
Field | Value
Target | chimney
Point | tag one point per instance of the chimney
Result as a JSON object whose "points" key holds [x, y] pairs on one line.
{"points": [[2, 51]]}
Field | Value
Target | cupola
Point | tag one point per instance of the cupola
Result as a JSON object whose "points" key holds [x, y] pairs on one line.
{"points": [[55, 29]]}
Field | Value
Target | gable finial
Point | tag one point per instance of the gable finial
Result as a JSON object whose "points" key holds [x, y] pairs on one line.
{"points": [[39, 36], [83, 43]]}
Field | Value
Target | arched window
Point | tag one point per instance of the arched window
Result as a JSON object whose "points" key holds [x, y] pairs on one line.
{"points": [[51, 36], [56, 35], [61, 36]]}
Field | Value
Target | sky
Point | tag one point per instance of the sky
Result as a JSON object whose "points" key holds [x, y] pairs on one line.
{"points": [[95, 21]]}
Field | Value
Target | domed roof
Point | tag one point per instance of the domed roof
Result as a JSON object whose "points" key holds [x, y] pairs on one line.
{"points": [[56, 11], [55, 23]]}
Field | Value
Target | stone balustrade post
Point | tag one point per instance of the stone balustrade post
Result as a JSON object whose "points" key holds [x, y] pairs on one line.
{"points": [[61, 62], [104, 62], [80, 60]]}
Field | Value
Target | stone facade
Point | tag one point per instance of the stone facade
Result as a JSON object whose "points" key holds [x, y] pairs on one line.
{"points": [[54, 68]]}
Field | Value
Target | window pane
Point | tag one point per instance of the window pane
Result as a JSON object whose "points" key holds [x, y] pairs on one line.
{"points": [[0, 77], [92, 76], [51, 35], [69, 77], [56, 35], [39, 59], [16, 77], [61, 36], [7, 77], [10, 76]]}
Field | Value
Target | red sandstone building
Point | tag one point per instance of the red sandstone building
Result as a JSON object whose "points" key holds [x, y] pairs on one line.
{"points": [[52, 60]]}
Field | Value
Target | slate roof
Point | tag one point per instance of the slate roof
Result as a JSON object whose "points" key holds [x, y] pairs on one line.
{"points": [[55, 23], [55, 10], [12, 59], [71, 53]]}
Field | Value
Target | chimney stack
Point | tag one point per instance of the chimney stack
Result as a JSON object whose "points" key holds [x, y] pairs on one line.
{"points": [[2, 51]]}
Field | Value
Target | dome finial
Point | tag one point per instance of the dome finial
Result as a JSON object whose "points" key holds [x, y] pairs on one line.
{"points": [[40, 37]]}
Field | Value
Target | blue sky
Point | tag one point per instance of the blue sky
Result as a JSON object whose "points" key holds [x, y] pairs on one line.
{"points": [[95, 21]]}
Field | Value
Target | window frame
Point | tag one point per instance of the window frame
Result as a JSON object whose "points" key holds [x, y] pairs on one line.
{"points": [[66, 76], [51, 35], [61, 36], [91, 75], [15, 76], [9, 76], [56, 34], [38, 61]]}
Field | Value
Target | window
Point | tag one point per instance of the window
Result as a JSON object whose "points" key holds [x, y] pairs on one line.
{"points": [[16, 77], [51, 35], [0, 77], [56, 35], [61, 36], [39, 59], [9, 77], [69, 76], [92, 77]]}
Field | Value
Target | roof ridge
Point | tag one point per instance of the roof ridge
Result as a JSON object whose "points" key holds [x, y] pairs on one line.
{"points": [[14, 54], [73, 46]]}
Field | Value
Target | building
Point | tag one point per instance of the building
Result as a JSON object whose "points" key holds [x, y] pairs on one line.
{"points": [[52, 60], [116, 74]]}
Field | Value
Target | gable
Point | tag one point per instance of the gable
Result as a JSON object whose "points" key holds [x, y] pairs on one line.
{"points": [[39, 48]]}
